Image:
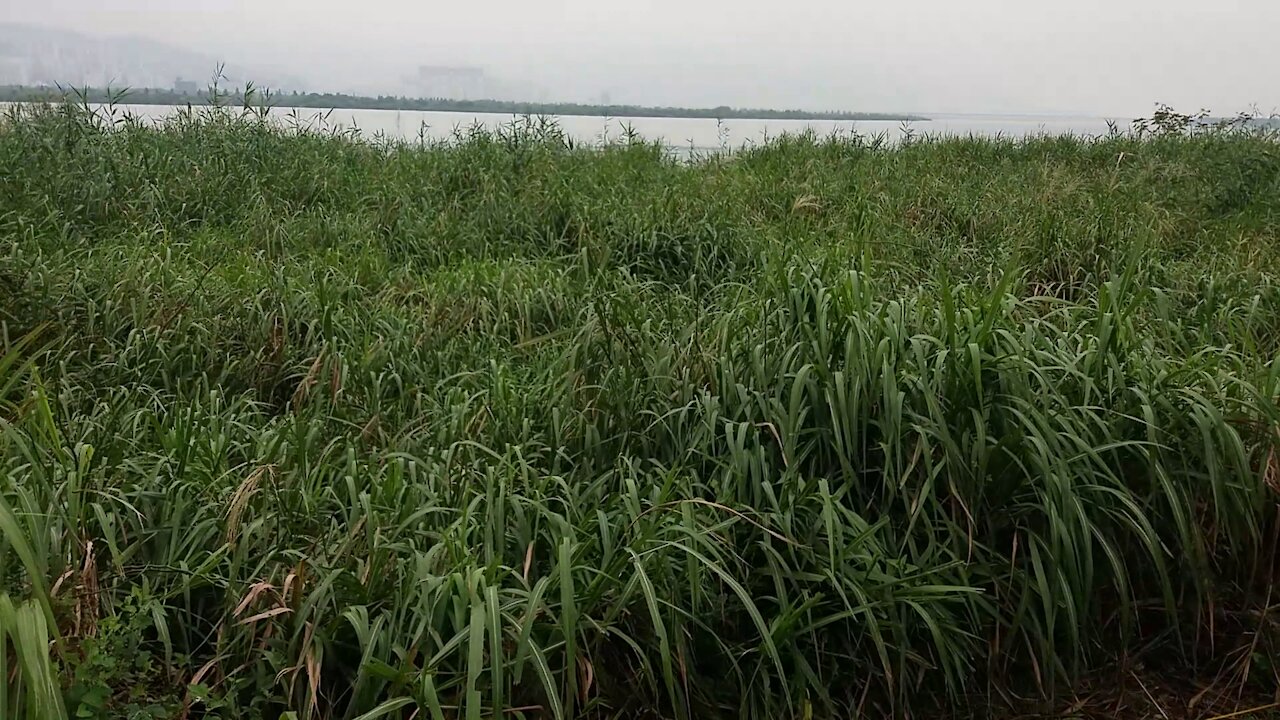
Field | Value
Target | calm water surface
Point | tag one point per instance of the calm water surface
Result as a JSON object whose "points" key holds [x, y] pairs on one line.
{"points": [[688, 133]]}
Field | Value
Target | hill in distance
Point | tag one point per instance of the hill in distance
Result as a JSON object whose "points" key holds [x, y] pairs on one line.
{"points": [[35, 55]]}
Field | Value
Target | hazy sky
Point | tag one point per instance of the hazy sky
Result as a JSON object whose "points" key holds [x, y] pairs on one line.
{"points": [[1089, 56]]}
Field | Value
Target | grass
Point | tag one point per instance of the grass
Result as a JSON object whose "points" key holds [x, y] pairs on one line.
{"points": [[300, 426]]}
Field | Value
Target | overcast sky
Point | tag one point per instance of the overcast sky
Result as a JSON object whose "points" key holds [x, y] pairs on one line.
{"points": [[1114, 57]]}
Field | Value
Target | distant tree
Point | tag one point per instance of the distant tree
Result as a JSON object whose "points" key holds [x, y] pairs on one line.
{"points": [[328, 100]]}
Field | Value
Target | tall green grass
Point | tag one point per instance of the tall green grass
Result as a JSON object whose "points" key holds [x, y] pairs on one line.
{"points": [[295, 423]]}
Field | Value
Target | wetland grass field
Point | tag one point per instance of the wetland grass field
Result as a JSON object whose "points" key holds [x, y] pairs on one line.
{"points": [[295, 425]]}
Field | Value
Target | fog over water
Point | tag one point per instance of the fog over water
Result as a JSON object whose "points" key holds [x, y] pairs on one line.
{"points": [[1079, 57]]}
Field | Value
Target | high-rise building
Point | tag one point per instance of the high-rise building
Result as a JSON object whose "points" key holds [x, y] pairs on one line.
{"points": [[14, 70], [451, 82]]}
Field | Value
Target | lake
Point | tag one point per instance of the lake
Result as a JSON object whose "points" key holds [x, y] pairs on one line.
{"points": [[680, 133]]}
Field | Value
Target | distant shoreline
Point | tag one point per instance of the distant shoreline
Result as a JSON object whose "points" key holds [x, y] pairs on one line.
{"points": [[338, 101]]}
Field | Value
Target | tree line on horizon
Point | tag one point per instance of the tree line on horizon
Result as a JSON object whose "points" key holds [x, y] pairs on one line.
{"points": [[165, 96]]}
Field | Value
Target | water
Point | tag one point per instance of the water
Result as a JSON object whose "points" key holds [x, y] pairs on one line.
{"points": [[681, 133]]}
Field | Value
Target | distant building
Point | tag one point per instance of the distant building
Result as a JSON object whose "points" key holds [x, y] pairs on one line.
{"points": [[451, 82], [185, 87], [14, 70]]}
